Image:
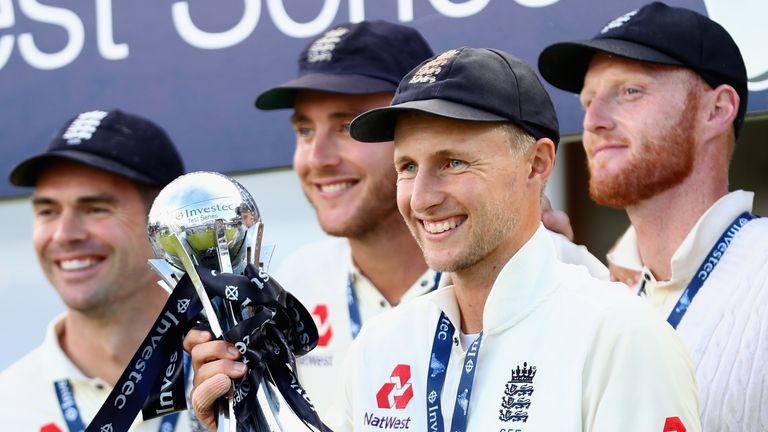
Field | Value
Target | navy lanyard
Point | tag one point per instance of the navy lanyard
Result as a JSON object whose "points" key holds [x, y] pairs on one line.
{"points": [[706, 268], [71, 412], [438, 365], [355, 323]]}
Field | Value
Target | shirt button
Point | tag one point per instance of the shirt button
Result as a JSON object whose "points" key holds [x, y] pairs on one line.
{"points": [[383, 303], [99, 386], [647, 277], [424, 283]]}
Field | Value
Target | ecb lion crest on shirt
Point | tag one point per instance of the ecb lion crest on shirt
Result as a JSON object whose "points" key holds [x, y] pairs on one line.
{"points": [[516, 399]]}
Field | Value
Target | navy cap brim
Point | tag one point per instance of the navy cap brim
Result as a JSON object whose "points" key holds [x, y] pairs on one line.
{"points": [[27, 172], [378, 125], [564, 65], [283, 96]]}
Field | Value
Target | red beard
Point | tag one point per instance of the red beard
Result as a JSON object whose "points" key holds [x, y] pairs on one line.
{"points": [[664, 159]]}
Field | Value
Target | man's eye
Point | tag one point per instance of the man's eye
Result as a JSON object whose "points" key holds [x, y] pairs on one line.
{"points": [[44, 212], [98, 210], [409, 167], [455, 163], [631, 91], [304, 132]]}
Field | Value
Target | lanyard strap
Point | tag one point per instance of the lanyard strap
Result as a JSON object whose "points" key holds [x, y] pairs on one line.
{"points": [[68, 406], [438, 365], [71, 412], [702, 274], [355, 322]]}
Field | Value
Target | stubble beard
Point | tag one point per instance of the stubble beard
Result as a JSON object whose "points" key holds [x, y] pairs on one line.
{"points": [[479, 245], [664, 161], [373, 211]]}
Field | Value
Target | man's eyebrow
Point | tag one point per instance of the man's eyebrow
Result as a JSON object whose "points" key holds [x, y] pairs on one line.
{"points": [[87, 199]]}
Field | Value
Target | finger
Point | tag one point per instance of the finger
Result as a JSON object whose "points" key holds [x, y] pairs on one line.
{"points": [[230, 368], [211, 351], [204, 397], [196, 337]]}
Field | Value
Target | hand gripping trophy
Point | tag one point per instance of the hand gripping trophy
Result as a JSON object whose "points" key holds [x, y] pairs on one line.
{"points": [[206, 230]]}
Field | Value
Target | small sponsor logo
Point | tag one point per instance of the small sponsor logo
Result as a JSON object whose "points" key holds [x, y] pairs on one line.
{"points": [[231, 292], [674, 424], [182, 305], [398, 391], [315, 360], [323, 323], [386, 422]]}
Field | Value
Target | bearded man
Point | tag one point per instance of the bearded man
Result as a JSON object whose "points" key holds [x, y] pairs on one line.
{"points": [[665, 93]]}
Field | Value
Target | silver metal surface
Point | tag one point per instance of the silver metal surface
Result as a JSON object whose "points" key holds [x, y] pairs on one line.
{"points": [[189, 207]]}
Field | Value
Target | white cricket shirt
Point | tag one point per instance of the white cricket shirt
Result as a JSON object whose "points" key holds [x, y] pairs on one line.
{"points": [[29, 401], [726, 325], [317, 274], [603, 360]]}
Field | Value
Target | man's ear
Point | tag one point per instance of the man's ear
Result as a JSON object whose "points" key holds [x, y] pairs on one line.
{"points": [[542, 159], [722, 107]]}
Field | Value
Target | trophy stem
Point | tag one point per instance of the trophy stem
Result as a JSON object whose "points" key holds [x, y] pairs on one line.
{"points": [[189, 266]]}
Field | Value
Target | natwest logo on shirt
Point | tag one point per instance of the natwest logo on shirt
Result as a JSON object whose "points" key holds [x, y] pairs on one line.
{"points": [[674, 424], [398, 391], [323, 323]]}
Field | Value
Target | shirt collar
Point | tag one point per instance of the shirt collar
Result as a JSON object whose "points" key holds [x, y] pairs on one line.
{"points": [[59, 365], [523, 283], [691, 252], [364, 288]]}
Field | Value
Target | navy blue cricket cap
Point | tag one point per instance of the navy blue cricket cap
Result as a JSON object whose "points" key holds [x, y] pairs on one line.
{"points": [[113, 141], [474, 84], [364, 58], [655, 33]]}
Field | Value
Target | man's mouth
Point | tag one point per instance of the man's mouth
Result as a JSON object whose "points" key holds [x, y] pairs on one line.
{"points": [[78, 264], [442, 226], [335, 187]]}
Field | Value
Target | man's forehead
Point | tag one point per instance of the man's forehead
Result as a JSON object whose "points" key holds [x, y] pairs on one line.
{"points": [[75, 176], [308, 99], [603, 61]]}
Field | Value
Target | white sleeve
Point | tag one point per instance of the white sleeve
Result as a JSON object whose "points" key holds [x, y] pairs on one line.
{"points": [[640, 378]]}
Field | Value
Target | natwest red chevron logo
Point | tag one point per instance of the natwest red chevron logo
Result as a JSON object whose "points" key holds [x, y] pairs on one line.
{"points": [[398, 391], [324, 330], [674, 424]]}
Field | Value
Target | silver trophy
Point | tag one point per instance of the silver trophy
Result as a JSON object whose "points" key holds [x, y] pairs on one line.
{"points": [[209, 219]]}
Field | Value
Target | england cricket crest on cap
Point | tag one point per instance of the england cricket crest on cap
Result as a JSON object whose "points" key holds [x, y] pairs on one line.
{"points": [[618, 22], [322, 48], [83, 126], [429, 71], [516, 399]]}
